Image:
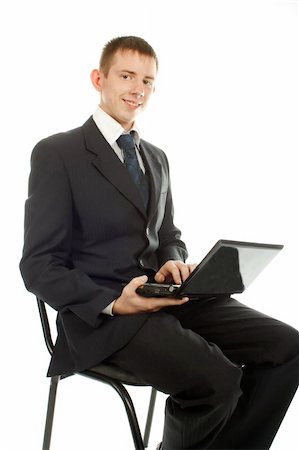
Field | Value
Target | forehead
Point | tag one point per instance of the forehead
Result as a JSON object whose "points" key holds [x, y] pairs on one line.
{"points": [[133, 61]]}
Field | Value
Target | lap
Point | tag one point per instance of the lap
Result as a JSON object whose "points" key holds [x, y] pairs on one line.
{"points": [[244, 335], [206, 341], [170, 357]]}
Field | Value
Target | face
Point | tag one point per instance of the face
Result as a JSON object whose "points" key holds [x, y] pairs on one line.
{"points": [[128, 86]]}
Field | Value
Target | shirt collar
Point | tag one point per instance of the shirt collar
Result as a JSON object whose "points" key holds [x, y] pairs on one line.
{"points": [[110, 128]]}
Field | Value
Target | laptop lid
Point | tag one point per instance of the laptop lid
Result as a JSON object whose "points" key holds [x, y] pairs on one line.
{"points": [[228, 268]]}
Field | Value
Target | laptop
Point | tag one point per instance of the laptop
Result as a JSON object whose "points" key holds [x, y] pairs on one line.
{"points": [[228, 268]]}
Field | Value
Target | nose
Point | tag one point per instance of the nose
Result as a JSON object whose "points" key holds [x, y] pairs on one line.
{"points": [[138, 89]]}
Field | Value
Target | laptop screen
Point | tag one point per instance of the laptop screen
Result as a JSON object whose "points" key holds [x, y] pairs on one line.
{"points": [[229, 267]]}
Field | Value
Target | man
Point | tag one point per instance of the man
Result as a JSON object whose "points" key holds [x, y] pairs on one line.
{"points": [[100, 216]]}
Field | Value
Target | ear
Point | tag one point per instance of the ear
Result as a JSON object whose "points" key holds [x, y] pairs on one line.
{"points": [[96, 77]]}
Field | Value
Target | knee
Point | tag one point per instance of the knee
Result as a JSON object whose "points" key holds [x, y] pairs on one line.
{"points": [[227, 388], [284, 342], [219, 389], [222, 384]]}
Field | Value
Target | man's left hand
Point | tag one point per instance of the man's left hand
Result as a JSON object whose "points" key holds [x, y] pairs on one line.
{"points": [[174, 272]]}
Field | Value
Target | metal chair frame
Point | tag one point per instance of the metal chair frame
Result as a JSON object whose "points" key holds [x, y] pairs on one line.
{"points": [[117, 384]]}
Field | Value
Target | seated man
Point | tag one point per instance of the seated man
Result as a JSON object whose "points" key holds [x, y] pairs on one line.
{"points": [[99, 216]]}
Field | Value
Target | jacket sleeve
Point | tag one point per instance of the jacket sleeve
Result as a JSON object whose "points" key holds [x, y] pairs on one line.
{"points": [[46, 262]]}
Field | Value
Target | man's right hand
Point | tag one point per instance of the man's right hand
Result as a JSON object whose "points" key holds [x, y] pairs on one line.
{"points": [[130, 302]]}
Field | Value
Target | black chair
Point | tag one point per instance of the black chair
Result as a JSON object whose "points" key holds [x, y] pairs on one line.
{"points": [[105, 373]]}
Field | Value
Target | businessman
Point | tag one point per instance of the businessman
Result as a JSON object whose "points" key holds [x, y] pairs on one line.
{"points": [[98, 224]]}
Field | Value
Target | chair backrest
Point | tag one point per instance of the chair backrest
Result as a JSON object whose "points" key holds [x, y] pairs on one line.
{"points": [[45, 325]]}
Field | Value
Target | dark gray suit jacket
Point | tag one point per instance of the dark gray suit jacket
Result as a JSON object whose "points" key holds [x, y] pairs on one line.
{"points": [[86, 233]]}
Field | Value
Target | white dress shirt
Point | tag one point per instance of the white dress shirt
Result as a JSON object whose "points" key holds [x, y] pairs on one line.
{"points": [[112, 130]]}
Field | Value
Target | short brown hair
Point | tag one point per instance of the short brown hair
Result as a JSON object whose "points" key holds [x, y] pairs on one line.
{"points": [[122, 43]]}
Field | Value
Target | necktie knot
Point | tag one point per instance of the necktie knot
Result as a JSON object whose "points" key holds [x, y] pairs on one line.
{"points": [[126, 142]]}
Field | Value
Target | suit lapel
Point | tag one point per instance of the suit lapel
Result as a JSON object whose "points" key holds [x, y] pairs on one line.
{"points": [[108, 163], [154, 169]]}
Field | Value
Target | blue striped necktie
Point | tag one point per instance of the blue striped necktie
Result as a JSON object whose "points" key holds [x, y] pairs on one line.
{"points": [[126, 143]]}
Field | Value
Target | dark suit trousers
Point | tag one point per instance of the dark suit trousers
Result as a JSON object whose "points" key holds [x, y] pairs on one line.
{"points": [[230, 373]]}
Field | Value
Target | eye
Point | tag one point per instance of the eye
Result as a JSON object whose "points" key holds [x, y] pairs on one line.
{"points": [[147, 82], [125, 76]]}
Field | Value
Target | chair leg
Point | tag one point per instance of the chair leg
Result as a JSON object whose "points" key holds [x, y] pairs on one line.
{"points": [[50, 412], [131, 414], [149, 419]]}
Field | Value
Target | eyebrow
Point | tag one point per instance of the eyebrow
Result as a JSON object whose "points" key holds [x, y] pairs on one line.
{"points": [[131, 72]]}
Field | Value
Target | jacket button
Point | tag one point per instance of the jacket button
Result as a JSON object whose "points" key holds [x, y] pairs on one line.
{"points": [[141, 262]]}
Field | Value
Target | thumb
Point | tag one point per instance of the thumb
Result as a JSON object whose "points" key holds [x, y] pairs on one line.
{"points": [[138, 281]]}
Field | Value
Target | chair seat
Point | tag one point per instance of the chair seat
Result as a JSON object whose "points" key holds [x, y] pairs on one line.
{"points": [[115, 372]]}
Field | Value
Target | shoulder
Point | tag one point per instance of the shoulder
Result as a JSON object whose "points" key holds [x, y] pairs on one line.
{"points": [[61, 145], [58, 142]]}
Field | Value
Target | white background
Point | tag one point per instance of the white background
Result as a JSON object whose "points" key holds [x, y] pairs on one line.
{"points": [[225, 111]]}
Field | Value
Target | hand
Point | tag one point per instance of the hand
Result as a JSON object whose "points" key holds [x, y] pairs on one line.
{"points": [[130, 302], [174, 272]]}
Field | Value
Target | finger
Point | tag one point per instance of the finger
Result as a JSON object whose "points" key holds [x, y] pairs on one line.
{"points": [[192, 267], [176, 274], [185, 271], [165, 270], [158, 303], [159, 277]]}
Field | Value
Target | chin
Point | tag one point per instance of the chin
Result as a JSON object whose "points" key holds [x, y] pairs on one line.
{"points": [[128, 120]]}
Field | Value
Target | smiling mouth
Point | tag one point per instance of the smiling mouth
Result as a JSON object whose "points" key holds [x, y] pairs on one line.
{"points": [[132, 103]]}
